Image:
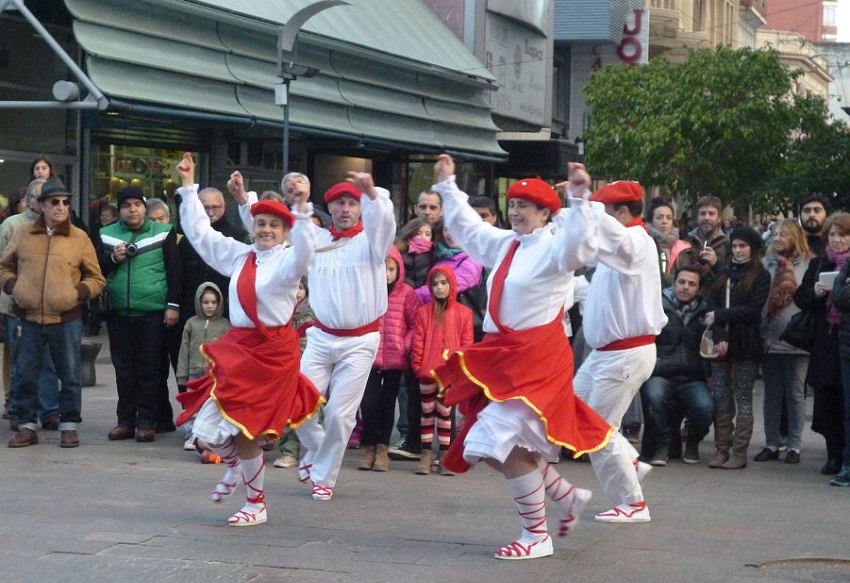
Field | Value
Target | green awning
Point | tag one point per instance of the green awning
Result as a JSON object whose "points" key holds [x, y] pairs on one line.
{"points": [[389, 69]]}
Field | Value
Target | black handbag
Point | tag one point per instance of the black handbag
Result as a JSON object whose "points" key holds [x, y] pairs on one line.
{"points": [[800, 331]]}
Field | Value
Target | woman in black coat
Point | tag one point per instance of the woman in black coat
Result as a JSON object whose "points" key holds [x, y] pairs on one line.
{"points": [[824, 375], [735, 328]]}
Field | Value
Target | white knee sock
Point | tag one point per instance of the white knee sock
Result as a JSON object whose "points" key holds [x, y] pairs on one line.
{"points": [[529, 494]]}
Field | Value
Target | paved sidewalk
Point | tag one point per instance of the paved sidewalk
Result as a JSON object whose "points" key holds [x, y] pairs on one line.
{"points": [[124, 511]]}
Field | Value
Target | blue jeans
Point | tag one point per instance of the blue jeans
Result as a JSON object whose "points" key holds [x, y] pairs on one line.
{"points": [[663, 400], [845, 383], [784, 376], [62, 343], [48, 383]]}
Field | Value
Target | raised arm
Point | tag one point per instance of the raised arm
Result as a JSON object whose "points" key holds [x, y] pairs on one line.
{"points": [[219, 252], [482, 241], [377, 214]]}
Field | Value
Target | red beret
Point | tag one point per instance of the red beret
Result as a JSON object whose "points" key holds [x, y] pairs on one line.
{"points": [[619, 191], [342, 189], [273, 207], [536, 191]]}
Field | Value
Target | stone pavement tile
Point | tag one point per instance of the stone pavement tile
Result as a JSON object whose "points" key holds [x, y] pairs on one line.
{"points": [[284, 575]]}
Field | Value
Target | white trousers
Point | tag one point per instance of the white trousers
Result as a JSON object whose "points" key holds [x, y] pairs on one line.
{"points": [[339, 367], [608, 381]]}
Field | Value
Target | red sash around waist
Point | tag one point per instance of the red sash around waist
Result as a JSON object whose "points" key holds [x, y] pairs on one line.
{"points": [[627, 343], [361, 331]]}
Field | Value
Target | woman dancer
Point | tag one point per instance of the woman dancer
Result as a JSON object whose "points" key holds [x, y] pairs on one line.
{"points": [[253, 387], [519, 378]]}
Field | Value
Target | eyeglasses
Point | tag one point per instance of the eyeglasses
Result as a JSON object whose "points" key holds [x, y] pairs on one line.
{"points": [[213, 208], [62, 201]]}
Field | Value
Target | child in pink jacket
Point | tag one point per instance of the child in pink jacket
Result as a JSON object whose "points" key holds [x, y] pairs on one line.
{"points": [[396, 328]]}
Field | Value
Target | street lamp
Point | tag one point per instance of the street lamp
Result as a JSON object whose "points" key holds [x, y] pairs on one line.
{"points": [[287, 68]]}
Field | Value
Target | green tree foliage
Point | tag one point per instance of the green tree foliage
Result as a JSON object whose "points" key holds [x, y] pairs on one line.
{"points": [[723, 123]]}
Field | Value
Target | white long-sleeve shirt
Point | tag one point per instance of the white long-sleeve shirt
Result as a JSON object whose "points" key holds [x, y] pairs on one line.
{"points": [[541, 274], [624, 299], [348, 278], [279, 269]]}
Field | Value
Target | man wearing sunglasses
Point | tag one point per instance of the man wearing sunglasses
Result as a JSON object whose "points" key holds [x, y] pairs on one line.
{"points": [[49, 269]]}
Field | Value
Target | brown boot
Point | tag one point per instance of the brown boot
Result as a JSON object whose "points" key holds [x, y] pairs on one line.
{"points": [[382, 461], [722, 440], [368, 461], [423, 468], [743, 435]]}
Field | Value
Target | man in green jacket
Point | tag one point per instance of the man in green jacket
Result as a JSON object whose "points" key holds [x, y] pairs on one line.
{"points": [[49, 268], [141, 262]]}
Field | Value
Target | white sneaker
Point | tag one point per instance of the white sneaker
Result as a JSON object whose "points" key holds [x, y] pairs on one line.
{"points": [[625, 513], [189, 444], [286, 461], [575, 506], [526, 550]]}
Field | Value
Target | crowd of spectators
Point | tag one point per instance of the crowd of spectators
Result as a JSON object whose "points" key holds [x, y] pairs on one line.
{"points": [[743, 283]]}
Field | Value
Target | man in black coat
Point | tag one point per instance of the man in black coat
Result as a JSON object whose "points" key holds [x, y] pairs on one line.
{"points": [[813, 212], [677, 386]]}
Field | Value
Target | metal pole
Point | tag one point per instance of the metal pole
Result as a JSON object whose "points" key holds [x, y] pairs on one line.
{"points": [[286, 126]]}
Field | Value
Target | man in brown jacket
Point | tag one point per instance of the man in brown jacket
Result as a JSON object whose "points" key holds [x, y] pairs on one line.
{"points": [[49, 269]]}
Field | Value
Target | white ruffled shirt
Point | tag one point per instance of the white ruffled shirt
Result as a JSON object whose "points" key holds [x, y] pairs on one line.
{"points": [[279, 269]]}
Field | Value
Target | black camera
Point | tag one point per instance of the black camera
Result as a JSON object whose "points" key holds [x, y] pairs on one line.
{"points": [[132, 250]]}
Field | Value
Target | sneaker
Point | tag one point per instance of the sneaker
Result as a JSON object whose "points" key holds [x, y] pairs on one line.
{"points": [[189, 444], [660, 457], [286, 461], [322, 492], [792, 457], [403, 452], [637, 512], [766, 455], [578, 500], [518, 550], [832, 466], [691, 453], [842, 478], [633, 433]]}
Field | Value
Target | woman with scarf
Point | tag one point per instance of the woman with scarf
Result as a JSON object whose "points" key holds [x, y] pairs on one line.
{"points": [[735, 326], [784, 367], [467, 270], [824, 373], [253, 386], [673, 252], [515, 386]]}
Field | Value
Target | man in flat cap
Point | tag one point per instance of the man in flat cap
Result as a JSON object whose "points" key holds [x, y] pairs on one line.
{"points": [[622, 317], [49, 269], [144, 274]]}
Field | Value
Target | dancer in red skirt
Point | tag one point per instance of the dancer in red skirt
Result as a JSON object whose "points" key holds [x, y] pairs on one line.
{"points": [[515, 386], [252, 388]]}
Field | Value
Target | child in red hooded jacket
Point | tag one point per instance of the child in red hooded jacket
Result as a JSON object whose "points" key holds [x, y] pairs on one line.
{"points": [[441, 325], [377, 407]]}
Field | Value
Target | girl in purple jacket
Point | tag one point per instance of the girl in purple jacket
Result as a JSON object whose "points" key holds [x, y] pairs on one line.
{"points": [[467, 270]]}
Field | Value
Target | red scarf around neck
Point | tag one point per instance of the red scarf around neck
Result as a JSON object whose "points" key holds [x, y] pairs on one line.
{"points": [[355, 230]]}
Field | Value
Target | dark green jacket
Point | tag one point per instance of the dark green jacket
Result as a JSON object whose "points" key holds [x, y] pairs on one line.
{"points": [[150, 281]]}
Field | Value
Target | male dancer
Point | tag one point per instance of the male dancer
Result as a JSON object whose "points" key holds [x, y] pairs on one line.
{"points": [[622, 317]]}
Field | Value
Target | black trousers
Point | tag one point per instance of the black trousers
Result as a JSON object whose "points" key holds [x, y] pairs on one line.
{"points": [[378, 406]]}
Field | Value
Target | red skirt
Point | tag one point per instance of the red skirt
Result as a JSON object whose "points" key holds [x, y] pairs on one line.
{"points": [[255, 382], [534, 366]]}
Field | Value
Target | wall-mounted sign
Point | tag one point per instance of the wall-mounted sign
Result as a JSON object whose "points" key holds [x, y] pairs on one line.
{"points": [[518, 58], [586, 59]]}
